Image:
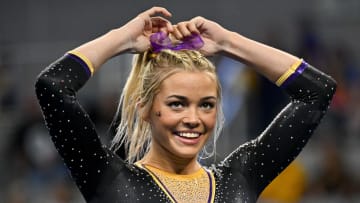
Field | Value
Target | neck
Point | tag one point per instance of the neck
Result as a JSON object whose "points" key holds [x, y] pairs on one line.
{"points": [[171, 163]]}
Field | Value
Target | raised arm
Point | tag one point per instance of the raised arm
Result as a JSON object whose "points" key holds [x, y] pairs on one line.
{"points": [[262, 159], [91, 164], [268, 61], [133, 37]]}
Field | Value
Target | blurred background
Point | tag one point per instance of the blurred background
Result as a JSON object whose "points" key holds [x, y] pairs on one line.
{"points": [[323, 32]]}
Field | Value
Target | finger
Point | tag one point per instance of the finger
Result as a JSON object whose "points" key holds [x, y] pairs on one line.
{"points": [[183, 29], [198, 22], [192, 28], [159, 29], [164, 30], [169, 26], [177, 34], [162, 23], [158, 10]]}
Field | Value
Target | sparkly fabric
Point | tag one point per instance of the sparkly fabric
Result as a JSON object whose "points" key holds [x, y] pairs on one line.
{"points": [[184, 188], [102, 176]]}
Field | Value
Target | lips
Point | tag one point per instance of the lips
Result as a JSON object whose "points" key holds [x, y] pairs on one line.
{"points": [[188, 138]]}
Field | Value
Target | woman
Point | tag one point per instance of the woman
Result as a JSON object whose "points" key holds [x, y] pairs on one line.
{"points": [[171, 108]]}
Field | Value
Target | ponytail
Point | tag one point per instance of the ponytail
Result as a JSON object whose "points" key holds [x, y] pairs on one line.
{"points": [[130, 120]]}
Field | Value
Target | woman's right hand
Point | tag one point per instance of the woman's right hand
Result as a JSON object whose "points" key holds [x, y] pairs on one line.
{"points": [[139, 29], [133, 36]]}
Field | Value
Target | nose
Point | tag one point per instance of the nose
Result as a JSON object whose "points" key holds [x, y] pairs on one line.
{"points": [[191, 119]]}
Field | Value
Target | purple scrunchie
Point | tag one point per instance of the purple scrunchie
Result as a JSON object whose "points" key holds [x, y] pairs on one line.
{"points": [[160, 41]]}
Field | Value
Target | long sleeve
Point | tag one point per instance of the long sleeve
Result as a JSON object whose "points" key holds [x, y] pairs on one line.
{"points": [[256, 163], [70, 127]]}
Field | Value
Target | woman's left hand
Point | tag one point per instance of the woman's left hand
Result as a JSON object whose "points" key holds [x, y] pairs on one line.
{"points": [[212, 33]]}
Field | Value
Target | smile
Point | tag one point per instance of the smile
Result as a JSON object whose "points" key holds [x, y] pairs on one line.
{"points": [[188, 134]]}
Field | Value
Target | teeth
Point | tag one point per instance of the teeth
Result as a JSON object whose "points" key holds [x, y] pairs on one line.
{"points": [[189, 135]]}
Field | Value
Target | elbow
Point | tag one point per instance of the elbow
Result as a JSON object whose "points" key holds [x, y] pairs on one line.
{"points": [[325, 93], [329, 89], [43, 84]]}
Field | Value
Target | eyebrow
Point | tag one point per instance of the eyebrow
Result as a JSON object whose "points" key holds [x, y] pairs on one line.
{"points": [[185, 98]]}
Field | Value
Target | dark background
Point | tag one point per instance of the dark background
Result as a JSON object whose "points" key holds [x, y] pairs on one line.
{"points": [[323, 32]]}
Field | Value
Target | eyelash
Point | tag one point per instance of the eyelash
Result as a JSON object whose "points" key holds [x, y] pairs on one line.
{"points": [[178, 105], [207, 105]]}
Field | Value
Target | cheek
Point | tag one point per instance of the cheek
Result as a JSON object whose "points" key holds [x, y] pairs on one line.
{"points": [[166, 119], [210, 121]]}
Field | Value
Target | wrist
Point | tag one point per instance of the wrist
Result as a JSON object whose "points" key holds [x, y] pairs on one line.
{"points": [[120, 41], [101, 49], [226, 44]]}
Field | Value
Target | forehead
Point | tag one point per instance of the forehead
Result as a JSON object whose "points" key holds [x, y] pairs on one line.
{"points": [[189, 83]]}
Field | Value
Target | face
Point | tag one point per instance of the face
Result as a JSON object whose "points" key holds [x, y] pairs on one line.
{"points": [[183, 114]]}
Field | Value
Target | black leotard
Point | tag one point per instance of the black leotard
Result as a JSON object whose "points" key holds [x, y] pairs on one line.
{"points": [[102, 176]]}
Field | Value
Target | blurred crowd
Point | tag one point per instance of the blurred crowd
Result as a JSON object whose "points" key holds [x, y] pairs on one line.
{"points": [[326, 171]]}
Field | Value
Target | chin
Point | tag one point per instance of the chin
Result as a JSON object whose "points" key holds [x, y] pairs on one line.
{"points": [[187, 153], [187, 149]]}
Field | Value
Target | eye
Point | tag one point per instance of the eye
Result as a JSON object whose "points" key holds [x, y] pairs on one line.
{"points": [[176, 105], [207, 105]]}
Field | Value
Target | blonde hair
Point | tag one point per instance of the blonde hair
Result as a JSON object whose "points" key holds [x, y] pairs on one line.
{"points": [[148, 72]]}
